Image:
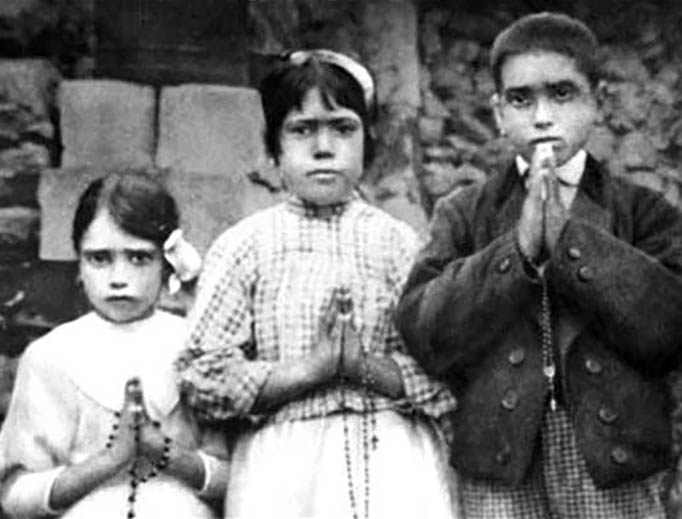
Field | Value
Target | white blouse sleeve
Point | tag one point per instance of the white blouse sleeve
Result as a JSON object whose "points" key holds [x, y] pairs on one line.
{"points": [[36, 434], [215, 457]]}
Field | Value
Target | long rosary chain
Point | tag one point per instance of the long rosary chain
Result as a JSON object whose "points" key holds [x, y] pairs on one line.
{"points": [[548, 363], [368, 419]]}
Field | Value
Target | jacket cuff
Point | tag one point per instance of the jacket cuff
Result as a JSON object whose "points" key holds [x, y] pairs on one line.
{"points": [[423, 393]]}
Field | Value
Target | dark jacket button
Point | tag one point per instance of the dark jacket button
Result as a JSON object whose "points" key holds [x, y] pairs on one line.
{"points": [[585, 273], [619, 455], [607, 415], [510, 400], [593, 365], [503, 456], [504, 265], [574, 253], [516, 356]]}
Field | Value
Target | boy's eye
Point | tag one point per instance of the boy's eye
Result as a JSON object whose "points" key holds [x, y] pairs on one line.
{"points": [[563, 92], [97, 258], [140, 258]]}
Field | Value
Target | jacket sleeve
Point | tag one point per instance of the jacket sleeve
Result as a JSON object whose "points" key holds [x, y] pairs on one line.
{"points": [[633, 291], [220, 378], [36, 436], [457, 302]]}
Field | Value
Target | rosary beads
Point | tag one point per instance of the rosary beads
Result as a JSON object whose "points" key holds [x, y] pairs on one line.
{"points": [[136, 478], [368, 416]]}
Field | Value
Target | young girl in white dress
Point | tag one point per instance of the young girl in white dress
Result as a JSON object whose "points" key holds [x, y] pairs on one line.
{"points": [[95, 428], [292, 330]]}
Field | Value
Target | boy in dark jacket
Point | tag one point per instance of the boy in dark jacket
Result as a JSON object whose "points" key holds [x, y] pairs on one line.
{"points": [[550, 300]]}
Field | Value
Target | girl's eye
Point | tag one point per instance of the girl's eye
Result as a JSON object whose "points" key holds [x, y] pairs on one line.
{"points": [[140, 258], [345, 127], [98, 258], [299, 129], [519, 99]]}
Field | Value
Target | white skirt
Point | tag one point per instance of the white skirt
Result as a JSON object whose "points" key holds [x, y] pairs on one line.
{"points": [[299, 470]]}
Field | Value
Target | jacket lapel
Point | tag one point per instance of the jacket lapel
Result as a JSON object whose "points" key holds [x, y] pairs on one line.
{"points": [[593, 197], [509, 194], [591, 204]]}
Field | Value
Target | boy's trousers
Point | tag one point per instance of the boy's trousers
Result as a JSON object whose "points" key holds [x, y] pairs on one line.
{"points": [[559, 487]]}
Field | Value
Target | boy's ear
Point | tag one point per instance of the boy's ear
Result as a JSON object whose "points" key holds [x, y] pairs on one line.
{"points": [[496, 105], [600, 96]]}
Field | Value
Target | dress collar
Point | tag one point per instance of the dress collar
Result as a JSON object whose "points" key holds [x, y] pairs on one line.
{"points": [[297, 205], [104, 355], [569, 173]]}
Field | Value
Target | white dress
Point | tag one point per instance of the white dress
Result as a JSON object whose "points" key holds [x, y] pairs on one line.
{"points": [[69, 384]]}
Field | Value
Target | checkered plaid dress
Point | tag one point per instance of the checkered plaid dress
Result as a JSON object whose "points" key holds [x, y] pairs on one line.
{"points": [[268, 280], [559, 487]]}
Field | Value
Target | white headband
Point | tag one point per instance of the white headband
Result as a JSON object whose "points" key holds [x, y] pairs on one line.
{"points": [[184, 259], [354, 68]]}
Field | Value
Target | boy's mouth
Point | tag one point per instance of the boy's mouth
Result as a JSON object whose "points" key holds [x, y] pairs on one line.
{"points": [[324, 175], [540, 140]]}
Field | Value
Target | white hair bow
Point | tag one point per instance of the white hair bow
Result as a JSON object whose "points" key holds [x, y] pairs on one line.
{"points": [[184, 259]]}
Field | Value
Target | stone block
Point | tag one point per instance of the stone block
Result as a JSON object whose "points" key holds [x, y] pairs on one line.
{"points": [[8, 368], [27, 157], [637, 152], [58, 193], [431, 129], [391, 31], [209, 203], [18, 233], [409, 211], [107, 123], [18, 188], [439, 178], [210, 129], [29, 82]]}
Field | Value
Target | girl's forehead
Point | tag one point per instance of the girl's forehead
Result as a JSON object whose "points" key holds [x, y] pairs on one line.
{"points": [[104, 233], [314, 105]]}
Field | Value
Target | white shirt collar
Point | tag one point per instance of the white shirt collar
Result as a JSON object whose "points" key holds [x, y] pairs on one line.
{"points": [[570, 172]]}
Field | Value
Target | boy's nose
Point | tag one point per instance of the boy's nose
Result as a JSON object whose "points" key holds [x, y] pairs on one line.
{"points": [[543, 116]]}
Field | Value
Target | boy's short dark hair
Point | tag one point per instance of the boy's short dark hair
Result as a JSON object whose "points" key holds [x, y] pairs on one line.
{"points": [[285, 86], [549, 32]]}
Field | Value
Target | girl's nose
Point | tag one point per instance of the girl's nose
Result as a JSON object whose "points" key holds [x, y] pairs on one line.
{"points": [[118, 274], [323, 145]]}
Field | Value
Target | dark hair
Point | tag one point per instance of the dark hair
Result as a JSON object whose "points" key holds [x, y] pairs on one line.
{"points": [[139, 203], [285, 86], [549, 32]]}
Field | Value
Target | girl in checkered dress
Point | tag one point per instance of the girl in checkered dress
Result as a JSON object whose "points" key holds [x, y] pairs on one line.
{"points": [[292, 332]]}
